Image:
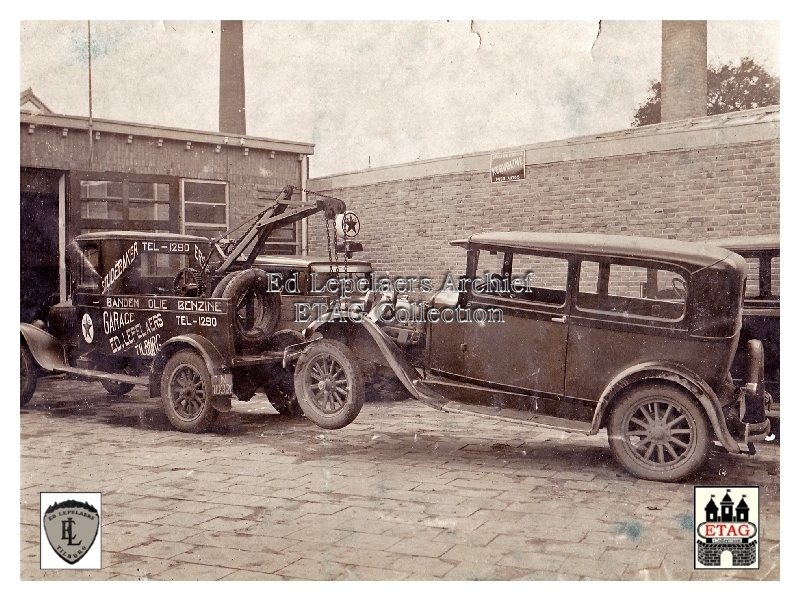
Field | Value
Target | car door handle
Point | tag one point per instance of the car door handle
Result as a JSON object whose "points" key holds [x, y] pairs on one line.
{"points": [[559, 319]]}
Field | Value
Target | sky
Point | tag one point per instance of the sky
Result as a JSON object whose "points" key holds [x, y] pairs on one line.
{"points": [[374, 93]]}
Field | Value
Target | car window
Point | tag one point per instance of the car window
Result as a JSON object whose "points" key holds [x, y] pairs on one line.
{"points": [[631, 290], [155, 264], [528, 277], [752, 286], [88, 266]]}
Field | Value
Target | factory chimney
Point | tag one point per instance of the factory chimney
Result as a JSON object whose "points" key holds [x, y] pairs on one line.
{"points": [[231, 79], [684, 69]]}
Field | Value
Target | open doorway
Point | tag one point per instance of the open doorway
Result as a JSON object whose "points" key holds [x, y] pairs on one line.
{"points": [[39, 242]]}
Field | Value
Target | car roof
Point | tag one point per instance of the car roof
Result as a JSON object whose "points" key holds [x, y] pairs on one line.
{"points": [[96, 236], [701, 254], [769, 241], [303, 261]]}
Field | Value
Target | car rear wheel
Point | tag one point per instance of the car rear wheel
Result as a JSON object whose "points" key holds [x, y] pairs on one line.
{"points": [[186, 393], [656, 431], [117, 388], [27, 375], [329, 384]]}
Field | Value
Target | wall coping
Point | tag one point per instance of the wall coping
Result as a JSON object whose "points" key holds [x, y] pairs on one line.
{"points": [[755, 125], [162, 132]]}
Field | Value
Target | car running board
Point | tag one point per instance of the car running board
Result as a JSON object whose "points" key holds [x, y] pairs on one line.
{"points": [[102, 375], [503, 414], [519, 416]]}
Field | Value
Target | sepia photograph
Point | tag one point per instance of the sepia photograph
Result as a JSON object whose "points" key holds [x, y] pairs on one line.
{"points": [[400, 300]]}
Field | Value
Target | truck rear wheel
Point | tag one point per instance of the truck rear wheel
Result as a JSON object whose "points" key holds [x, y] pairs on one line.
{"points": [[257, 311], [186, 393], [27, 375], [329, 384]]}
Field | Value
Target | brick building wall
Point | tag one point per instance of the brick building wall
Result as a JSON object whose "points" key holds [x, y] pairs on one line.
{"points": [[53, 145], [707, 178]]}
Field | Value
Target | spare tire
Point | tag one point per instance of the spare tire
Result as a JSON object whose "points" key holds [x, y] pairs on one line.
{"points": [[257, 311]]}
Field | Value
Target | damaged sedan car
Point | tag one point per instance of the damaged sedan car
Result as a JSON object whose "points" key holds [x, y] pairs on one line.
{"points": [[579, 332]]}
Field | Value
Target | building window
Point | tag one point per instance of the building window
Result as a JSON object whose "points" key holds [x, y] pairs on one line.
{"points": [[118, 201], [205, 207]]}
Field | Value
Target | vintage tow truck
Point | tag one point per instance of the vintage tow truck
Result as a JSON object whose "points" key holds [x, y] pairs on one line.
{"points": [[191, 319], [578, 332]]}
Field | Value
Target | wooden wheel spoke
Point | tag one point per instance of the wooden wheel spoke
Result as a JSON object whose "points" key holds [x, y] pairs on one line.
{"points": [[668, 447]]}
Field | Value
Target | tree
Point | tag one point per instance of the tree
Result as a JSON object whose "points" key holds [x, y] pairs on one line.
{"points": [[730, 89]]}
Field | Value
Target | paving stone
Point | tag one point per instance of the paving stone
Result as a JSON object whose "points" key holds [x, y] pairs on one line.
{"points": [[305, 568], [255, 543], [369, 540], [231, 558], [130, 566], [193, 572], [180, 519], [420, 547], [245, 575], [373, 526], [361, 573], [421, 567], [158, 549]]}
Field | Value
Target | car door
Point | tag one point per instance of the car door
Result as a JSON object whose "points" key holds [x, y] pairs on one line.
{"points": [[514, 327], [625, 313]]}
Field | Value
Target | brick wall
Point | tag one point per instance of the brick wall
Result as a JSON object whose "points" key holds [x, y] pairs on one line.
{"points": [[708, 191], [48, 147]]}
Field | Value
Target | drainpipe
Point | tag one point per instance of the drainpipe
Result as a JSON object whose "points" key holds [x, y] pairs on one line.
{"points": [[303, 197]]}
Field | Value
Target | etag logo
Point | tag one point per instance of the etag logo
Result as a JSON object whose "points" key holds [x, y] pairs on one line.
{"points": [[727, 530]]}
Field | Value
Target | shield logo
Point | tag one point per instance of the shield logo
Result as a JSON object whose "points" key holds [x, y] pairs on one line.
{"points": [[87, 328], [71, 528]]}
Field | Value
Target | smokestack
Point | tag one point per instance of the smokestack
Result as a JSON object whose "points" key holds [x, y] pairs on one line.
{"points": [[684, 69], [231, 79]]}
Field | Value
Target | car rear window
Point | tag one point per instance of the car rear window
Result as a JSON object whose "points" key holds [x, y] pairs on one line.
{"points": [[631, 290]]}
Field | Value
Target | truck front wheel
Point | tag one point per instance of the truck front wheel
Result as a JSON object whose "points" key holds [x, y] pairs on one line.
{"points": [[329, 384], [186, 393]]}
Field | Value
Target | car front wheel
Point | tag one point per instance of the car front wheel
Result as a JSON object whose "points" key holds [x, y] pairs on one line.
{"points": [[329, 384], [656, 431], [186, 393], [27, 375]]}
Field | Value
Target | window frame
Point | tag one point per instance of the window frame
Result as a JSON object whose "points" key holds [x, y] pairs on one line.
{"points": [[508, 266], [628, 317], [211, 227]]}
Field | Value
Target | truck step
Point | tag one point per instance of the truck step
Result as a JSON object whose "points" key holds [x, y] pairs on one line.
{"points": [[98, 375]]}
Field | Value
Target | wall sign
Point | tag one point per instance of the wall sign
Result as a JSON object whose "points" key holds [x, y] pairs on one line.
{"points": [[508, 166]]}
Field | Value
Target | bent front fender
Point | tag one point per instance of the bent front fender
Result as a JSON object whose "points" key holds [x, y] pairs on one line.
{"points": [[689, 381], [221, 376], [47, 351], [383, 348]]}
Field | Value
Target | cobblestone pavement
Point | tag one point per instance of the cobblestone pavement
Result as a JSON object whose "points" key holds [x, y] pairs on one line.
{"points": [[404, 492]]}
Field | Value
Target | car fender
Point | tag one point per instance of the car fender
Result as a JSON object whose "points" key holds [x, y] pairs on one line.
{"points": [[378, 347], [221, 376], [47, 351], [662, 371]]}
